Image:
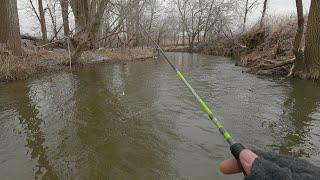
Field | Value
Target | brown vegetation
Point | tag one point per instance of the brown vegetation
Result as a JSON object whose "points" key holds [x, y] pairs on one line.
{"points": [[37, 59], [269, 50], [265, 50]]}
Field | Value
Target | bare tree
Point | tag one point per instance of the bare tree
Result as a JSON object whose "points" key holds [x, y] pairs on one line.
{"points": [[249, 5], [218, 14], [52, 9], [297, 46], [263, 13], [307, 63], [208, 23], [42, 21], [152, 12], [182, 8], [87, 37], [80, 10], [41, 18], [191, 18], [312, 51], [9, 26], [65, 17]]}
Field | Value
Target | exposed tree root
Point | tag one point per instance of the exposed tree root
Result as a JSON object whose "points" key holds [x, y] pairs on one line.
{"points": [[291, 71], [268, 65]]}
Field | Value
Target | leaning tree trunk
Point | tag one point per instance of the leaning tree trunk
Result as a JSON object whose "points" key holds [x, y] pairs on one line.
{"points": [[297, 48], [312, 50], [42, 22], [9, 26]]}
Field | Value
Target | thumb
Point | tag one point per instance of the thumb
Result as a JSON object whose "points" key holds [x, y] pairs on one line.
{"points": [[247, 158]]}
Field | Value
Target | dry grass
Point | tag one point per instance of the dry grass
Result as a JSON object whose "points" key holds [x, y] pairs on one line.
{"points": [[276, 45], [38, 60], [14, 67], [34, 60]]}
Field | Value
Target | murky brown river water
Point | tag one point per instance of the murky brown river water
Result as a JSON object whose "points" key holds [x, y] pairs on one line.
{"points": [[138, 121]]}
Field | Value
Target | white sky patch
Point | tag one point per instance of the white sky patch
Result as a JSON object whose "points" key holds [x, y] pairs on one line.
{"points": [[30, 25], [286, 6], [279, 8], [28, 22]]}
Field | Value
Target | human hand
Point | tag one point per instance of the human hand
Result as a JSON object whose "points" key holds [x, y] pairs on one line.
{"points": [[230, 166]]}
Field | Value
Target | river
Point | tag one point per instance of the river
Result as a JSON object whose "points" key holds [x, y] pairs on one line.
{"points": [[136, 120]]}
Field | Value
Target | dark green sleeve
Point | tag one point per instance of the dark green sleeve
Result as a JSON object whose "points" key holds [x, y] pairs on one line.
{"points": [[270, 166]]}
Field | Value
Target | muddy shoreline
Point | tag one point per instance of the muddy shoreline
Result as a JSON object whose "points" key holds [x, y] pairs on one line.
{"points": [[35, 62]]}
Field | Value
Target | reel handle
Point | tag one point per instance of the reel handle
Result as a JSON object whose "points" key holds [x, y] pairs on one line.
{"points": [[236, 149]]}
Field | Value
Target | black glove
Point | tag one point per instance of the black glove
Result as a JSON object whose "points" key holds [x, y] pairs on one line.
{"points": [[270, 166]]}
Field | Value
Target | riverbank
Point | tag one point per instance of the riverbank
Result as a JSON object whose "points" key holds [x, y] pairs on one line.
{"points": [[269, 51], [266, 51], [37, 60]]}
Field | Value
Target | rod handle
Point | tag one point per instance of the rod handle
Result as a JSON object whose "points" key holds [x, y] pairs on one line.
{"points": [[236, 149]]}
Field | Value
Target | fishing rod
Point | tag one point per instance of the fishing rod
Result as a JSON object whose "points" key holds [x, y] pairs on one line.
{"points": [[235, 148]]}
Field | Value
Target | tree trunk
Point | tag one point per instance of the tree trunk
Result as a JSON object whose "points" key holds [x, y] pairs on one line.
{"points": [[263, 13], [245, 15], [81, 13], [65, 17], [42, 22], [312, 50], [178, 40], [297, 50], [191, 41], [95, 23], [204, 37], [159, 37], [183, 36], [87, 37], [9, 26], [150, 25], [54, 25]]}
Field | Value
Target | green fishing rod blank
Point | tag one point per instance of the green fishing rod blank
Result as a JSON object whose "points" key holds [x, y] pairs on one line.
{"points": [[235, 148]]}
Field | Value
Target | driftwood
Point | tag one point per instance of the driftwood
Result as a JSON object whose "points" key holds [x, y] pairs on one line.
{"points": [[291, 70], [31, 38], [268, 64]]}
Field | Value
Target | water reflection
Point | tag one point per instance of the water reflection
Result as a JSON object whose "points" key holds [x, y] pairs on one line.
{"points": [[296, 123], [53, 98], [27, 114], [117, 83], [111, 142]]}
